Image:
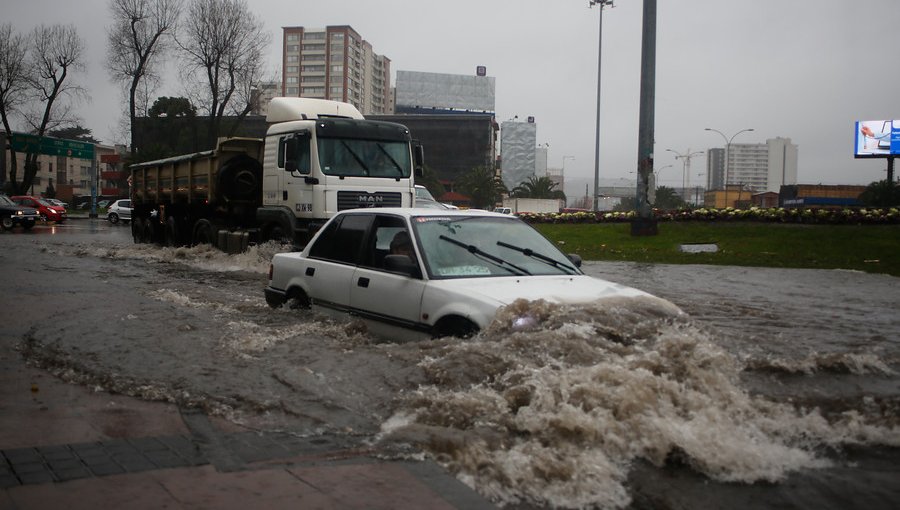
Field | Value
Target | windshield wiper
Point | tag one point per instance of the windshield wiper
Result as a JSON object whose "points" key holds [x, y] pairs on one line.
{"points": [[528, 252], [393, 161], [474, 250], [355, 156]]}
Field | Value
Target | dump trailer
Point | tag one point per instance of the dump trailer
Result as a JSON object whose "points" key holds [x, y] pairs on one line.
{"points": [[318, 157]]}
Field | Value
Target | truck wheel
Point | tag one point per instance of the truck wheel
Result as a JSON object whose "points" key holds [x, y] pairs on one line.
{"points": [[171, 234], [137, 227], [275, 232], [148, 235], [203, 233], [240, 179]]}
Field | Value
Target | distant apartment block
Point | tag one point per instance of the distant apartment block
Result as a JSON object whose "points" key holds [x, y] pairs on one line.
{"points": [[754, 166], [336, 63]]}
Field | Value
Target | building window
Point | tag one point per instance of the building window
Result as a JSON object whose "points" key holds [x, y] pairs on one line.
{"points": [[292, 59], [291, 91], [336, 91], [313, 36], [293, 37], [292, 69], [291, 79], [293, 48]]}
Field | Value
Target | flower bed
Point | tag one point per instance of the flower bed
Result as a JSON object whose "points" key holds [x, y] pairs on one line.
{"points": [[852, 216]]}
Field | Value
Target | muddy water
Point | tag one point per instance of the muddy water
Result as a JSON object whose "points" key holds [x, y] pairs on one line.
{"points": [[769, 388]]}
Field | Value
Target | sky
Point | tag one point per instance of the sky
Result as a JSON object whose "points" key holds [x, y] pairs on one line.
{"points": [[800, 69]]}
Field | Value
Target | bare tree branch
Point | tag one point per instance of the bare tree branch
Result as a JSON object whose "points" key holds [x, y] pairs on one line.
{"points": [[13, 85], [224, 42], [139, 35]]}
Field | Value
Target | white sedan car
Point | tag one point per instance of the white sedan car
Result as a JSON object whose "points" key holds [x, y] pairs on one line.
{"points": [[418, 273]]}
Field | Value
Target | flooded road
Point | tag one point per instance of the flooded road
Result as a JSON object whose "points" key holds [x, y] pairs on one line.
{"points": [[778, 388]]}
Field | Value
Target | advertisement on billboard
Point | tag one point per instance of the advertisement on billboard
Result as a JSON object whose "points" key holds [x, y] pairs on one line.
{"points": [[877, 139]]}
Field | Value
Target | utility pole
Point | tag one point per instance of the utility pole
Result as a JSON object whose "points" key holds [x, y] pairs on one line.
{"points": [[645, 224], [685, 170], [602, 4]]}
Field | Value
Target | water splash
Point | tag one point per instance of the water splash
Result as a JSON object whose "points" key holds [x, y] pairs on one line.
{"points": [[556, 416]]}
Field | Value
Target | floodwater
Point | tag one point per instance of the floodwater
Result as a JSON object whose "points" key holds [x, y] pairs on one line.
{"points": [[770, 388]]}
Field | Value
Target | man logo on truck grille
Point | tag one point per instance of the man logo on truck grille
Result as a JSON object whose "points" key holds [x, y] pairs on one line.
{"points": [[370, 200]]}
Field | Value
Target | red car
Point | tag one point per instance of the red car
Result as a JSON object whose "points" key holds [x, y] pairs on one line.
{"points": [[48, 211]]}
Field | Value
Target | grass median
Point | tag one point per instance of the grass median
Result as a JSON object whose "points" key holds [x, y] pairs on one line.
{"points": [[870, 248]]}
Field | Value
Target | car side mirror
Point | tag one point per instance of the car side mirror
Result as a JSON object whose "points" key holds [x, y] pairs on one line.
{"points": [[401, 264], [575, 258]]}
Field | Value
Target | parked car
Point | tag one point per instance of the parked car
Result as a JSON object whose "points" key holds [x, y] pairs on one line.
{"points": [[464, 266], [57, 202], [119, 210], [12, 214], [48, 211]]}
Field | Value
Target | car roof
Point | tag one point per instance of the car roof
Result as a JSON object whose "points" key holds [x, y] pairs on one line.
{"points": [[409, 212]]}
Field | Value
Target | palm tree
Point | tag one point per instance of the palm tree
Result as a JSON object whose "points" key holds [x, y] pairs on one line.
{"points": [[881, 194], [667, 198], [483, 187], [537, 187]]}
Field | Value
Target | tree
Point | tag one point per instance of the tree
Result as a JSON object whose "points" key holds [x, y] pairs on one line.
{"points": [[537, 187], [53, 53], [75, 132], [483, 186], [667, 198], [224, 41], [881, 194], [13, 83], [139, 35], [172, 107], [430, 180]]}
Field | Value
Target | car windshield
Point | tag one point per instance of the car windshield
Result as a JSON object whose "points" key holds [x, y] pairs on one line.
{"points": [[478, 246], [6, 201], [347, 157]]}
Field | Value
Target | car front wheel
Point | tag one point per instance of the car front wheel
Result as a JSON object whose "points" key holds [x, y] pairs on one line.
{"points": [[6, 223]]}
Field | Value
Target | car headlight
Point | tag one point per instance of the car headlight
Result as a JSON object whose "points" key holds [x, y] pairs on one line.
{"points": [[20, 213]]}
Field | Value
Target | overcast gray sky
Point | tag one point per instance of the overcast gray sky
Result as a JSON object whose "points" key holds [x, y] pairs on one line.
{"points": [[802, 69]]}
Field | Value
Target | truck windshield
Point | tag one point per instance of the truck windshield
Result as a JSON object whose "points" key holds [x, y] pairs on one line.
{"points": [[350, 157]]}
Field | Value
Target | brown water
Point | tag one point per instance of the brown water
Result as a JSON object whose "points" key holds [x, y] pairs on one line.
{"points": [[772, 387]]}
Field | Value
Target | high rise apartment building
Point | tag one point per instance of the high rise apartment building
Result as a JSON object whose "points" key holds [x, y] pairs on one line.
{"points": [[335, 63], [755, 166]]}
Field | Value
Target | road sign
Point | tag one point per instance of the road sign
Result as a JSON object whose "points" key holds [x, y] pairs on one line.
{"points": [[22, 142]]}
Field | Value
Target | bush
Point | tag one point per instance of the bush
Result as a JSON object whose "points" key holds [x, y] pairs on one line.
{"points": [[850, 216]]}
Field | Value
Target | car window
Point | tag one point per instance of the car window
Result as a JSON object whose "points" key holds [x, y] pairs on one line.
{"points": [[385, 231], [343, 239], [125, 203]]}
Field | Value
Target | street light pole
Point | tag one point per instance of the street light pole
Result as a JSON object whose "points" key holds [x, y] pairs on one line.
{"points": [[727, 155], [685, 169], [601, 4]]}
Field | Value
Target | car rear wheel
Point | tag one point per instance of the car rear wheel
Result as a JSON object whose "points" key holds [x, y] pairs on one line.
{"points": [[113, 218]]}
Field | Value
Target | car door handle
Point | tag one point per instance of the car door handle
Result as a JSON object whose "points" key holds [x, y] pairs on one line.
{"points": [[363, 282]]}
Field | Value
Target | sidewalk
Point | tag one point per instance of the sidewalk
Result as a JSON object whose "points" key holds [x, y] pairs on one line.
{"points": [[66, 446]]}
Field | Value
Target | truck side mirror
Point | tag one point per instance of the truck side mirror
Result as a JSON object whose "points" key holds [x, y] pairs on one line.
{"points": [[419, 159]]}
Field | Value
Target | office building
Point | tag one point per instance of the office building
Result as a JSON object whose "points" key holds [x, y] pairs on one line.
{"points": [[336, 63]]}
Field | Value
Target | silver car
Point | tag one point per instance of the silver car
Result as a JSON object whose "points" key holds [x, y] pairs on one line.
{"points": [[120, 210]]}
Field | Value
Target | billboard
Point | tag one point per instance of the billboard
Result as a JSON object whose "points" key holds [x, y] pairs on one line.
{"points": [[444, 91], [877, 139]]}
